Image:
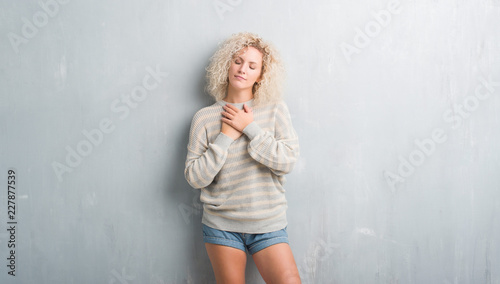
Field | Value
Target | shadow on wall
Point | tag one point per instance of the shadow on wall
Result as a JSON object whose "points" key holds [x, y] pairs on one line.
{"points": [[187, 201]]}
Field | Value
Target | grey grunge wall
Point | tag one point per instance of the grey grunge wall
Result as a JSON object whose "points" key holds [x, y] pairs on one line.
{"points": [[396, 104]]}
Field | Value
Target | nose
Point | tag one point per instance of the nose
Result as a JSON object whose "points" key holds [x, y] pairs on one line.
{"points": [[242, 69]]}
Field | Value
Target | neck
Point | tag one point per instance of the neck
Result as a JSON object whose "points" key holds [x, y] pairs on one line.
{"points": [[238, 96]]}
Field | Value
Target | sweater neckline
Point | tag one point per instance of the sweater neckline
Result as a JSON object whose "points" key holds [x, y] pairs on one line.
{"points": [[238, 105]]}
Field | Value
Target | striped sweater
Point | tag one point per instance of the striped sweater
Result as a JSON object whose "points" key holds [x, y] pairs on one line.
{"points": [[242, 180]]}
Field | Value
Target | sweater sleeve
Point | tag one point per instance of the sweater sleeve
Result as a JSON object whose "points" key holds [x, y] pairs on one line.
{"points": [[279, 150], [204, 160]]}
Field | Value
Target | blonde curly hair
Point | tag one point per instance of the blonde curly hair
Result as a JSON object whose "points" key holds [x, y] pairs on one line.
{"points": [[269, 89]]}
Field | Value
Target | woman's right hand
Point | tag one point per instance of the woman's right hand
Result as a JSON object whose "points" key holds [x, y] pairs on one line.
{"points": [[230, 131]]}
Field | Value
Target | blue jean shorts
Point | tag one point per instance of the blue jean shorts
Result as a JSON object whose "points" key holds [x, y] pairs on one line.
{"points": [[243, 241]]}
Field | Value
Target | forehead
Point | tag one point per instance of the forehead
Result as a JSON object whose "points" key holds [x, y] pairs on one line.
{"points": [[250, 54]]}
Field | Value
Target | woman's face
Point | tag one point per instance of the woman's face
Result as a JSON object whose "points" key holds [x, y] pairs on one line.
{"points": [[245, 68]]}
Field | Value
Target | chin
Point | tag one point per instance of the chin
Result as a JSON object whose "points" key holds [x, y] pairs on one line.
{"points": [[238, 86]]}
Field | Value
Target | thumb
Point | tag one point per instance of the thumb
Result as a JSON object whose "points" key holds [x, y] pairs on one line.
{"points": [[246, 108]]}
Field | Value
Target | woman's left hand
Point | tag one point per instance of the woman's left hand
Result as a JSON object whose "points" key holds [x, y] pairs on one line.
{"points": [[237, 118]]}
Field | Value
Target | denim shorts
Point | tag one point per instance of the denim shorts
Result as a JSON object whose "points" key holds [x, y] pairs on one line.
{"points": [[243, 241]]}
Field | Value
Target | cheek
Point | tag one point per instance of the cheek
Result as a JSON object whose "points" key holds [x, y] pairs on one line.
{"points": [[255, 75], [230, 72]]}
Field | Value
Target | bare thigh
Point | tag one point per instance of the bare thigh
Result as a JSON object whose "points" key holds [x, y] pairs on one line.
{"points": [[277, 265], [228, 263]]}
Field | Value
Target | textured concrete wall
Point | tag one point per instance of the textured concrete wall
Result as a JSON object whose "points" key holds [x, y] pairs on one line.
{"points": [[395, 103]]}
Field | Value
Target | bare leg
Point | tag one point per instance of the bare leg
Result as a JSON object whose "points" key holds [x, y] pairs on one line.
{"points": [[228, 263], [277, 265]]}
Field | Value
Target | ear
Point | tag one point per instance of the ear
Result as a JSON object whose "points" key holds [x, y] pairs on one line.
{"points": [[258, 79], [261, 75]]}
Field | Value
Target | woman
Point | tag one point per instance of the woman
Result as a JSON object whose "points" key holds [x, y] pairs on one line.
{"points": [[239, 150]]}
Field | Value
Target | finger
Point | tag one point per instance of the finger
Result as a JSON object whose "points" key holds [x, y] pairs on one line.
{"points": [[247, 108], [228, 110], [227, 114], [230, 107]]}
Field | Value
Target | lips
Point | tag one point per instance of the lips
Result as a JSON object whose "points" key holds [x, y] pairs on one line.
{"points": [[239, 77]]}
